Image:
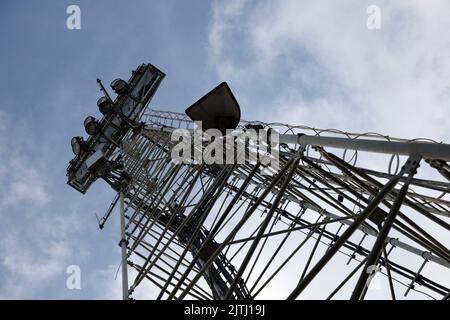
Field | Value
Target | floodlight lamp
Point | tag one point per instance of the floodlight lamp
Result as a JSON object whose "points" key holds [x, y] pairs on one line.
{"points": [[91, 125], [218, 109], [78, 145], [104, 105], [120, 86]]}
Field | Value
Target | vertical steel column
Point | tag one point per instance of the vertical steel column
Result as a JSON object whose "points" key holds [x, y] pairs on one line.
{"points": [[123, 244]]}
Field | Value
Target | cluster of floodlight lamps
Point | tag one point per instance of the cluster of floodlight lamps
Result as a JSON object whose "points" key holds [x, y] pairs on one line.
{"points": [[106, 106], [94, 157]]}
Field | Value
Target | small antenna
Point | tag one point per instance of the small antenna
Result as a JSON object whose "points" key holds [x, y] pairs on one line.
{"points": [[102, 221], [103, 89], [96, 217]]}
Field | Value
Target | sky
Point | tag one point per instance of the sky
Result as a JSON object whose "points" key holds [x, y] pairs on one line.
{"points": [[301, 62]]}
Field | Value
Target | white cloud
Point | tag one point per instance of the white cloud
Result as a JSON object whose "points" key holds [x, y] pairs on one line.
{"points": [[34, 244], [110, 286], [30, 266], [21, 177], [335, 71], [27, 186]]}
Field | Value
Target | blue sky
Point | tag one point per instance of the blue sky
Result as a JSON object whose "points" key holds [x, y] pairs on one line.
{"points": [[302, 62], [48, 88]]}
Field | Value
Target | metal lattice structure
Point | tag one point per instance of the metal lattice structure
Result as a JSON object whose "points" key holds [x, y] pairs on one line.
{"points": [[341, 208]]}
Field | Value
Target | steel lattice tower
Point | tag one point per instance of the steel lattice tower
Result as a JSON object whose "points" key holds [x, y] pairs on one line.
{"points": [[342, 207]]}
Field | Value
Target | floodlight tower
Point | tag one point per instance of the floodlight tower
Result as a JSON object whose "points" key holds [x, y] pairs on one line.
{"points": [[339, 209]]}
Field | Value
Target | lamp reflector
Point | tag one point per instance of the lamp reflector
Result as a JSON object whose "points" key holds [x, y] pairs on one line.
{"points": [[78, 145], [91, 125], [119, 86], [104, 105]]}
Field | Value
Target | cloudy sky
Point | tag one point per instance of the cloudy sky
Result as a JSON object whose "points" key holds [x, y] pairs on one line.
{"points": [[302, 62]]}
